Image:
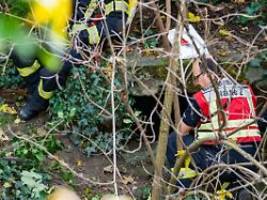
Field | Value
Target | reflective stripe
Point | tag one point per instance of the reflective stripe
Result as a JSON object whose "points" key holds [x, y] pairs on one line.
{"points": [[42, 93], [91, 8], [94, 37], [131, 10], [26, 71], [116, 6], [209, 130], [77, 28], [213, 135], [230, 124]]}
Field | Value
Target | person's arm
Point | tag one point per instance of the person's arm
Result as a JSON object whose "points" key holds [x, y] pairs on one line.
{"points": [[190, 119], [262, 123], [184, 129]]}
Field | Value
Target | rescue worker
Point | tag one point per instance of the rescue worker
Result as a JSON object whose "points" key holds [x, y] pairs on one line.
{"points": [[85, 31], [238, 103], [40, 80]]}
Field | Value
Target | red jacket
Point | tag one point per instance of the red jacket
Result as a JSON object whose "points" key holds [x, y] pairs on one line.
{"points": [[238, 103]]}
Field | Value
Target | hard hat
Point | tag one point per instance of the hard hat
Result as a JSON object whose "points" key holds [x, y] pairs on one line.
{"points": [[63, 193], [114, 197], [187, 47]]}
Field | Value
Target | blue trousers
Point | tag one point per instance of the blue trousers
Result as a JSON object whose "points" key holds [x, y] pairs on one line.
{"points": [[208, 155]]}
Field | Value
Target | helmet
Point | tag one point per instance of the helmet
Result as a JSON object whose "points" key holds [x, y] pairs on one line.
{"points": [[114, 197], [63, 193]]}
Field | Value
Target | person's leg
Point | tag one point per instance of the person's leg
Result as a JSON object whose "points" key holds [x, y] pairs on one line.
{"points": [[172, 147], [236, 176], [28, 68], [202, 158], [47, 83]]}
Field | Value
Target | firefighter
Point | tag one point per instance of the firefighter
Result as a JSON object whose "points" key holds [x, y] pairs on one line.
{"points": [[110, 16], [40, 78], [238, 103]]}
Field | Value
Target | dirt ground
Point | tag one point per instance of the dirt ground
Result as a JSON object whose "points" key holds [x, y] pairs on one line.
{"points": [[135, 169]]}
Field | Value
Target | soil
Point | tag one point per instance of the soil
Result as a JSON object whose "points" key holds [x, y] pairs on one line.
{"points": [[135, 169]]}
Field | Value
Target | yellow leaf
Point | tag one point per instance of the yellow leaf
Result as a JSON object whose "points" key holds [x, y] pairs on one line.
{"points": [[127, 180], [108, 169], [3, 136], [7, 109], [193, 18], [79, 163], [7, 185], [224, 32], [17, 121]]}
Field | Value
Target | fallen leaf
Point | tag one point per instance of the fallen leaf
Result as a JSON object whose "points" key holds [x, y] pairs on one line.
{"points": [[17, 121], [7, 109], [3, 136], [78, 163], [224, 32], [239, 1], [127, 180], [41, 132], [193, 18], [108, 169], [7, 185]]}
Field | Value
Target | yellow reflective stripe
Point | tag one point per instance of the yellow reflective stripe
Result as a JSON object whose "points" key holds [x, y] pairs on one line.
{"points": [[90, 10], [116, 6], [246, 133], [26, 71], [250, 103], [212, 135], [42, 93], [207, 135], [94, 37], [78, 27], [213, 111], [230, 124], [131, 10]]}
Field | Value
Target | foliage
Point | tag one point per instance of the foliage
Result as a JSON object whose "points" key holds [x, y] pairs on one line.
{"points": [[256, 69], [19, 184], [23, 176], [9, 77], [75, 108], [34, 154], [152, 41], [19, 8], [143, 193], [255, 8]]}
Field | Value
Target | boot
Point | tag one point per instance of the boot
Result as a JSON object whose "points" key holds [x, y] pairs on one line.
{"points": [[31, 82], [244, 194], [34, 105]]}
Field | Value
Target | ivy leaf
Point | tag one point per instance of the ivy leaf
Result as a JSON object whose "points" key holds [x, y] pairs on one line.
{"points": [[34, 182], [30, 178], [256, 62]]}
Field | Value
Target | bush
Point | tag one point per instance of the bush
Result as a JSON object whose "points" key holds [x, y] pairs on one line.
{"points": [[76, 107], [255, 8]]}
